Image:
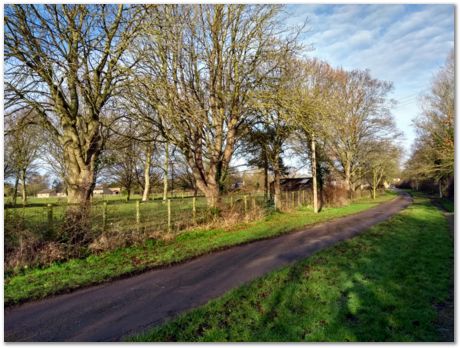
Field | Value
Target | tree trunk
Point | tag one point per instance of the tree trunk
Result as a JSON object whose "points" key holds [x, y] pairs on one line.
{"points": [[212, 195], [348, 185], [277, 185], [374, 185], [128, 197], [81, 176], [24, 192], [266, 188], [148, 163], [166, 171], [313, 174], [15, 191], [440, 188], [80, 188]]}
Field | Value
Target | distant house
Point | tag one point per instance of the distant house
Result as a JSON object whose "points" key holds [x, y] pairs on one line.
{"points": [[115, 190], [61, 194], [293, 184], [46, 193], [100, 190]]}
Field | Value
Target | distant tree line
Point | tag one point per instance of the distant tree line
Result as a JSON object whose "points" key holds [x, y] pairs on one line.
{"points": [[431, 164]]}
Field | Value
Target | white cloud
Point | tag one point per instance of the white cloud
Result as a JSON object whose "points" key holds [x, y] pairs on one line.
{"points": [[405, 44]]}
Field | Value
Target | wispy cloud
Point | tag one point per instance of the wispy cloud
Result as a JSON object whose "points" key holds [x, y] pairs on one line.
{"points": [[405, 44]]}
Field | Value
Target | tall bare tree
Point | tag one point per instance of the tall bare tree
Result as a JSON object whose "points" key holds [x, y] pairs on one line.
{"points": [[307, 100], [433, 155], [66, 62], [358, 113], [204, 65], [23, 145], [382, 163]]}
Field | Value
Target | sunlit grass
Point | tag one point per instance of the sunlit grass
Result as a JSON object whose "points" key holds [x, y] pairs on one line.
{"points": [[380, 286]]}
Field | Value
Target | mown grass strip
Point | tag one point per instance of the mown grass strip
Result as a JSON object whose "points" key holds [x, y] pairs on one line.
{"points": [[60, 277], [383, 285]]}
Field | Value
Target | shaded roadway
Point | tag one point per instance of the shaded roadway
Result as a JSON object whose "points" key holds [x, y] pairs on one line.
{"points": [[109, 311]]}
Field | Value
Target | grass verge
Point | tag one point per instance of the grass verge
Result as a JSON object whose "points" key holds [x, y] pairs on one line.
{"points": [[60, 277], [384, 285]]}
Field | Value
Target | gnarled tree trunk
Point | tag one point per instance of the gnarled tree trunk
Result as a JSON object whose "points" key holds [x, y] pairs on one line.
{"points": [[81, 164]]}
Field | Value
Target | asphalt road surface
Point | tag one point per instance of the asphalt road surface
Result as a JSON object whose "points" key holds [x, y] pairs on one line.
{"points": [[107, 312]]}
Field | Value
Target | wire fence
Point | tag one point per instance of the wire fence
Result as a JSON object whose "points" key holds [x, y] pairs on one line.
{"points": [[38, 234], [171, 215]]}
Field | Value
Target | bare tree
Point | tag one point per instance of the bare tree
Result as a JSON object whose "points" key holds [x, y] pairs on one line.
{"points": [[433, 156], [358, 113], [122, 156], [382, 162], [22, 148], [204, 65], [306, 100], [66, 62]]}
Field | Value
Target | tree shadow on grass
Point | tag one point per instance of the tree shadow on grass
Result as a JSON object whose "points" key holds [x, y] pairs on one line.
{"points": [[389, 280], [383, 285]]}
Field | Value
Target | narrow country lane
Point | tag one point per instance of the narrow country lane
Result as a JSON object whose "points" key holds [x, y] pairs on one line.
{"points": [[110, 311]]}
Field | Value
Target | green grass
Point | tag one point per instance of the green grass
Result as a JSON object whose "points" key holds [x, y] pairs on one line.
{"points": [[383, 285], [35, 201], [444, 203], [120, 215], [41, 282]]}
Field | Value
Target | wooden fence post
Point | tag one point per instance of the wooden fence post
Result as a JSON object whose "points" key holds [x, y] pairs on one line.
{"points": [[104, 215], [303, 197], [253, 201], [194, 209], [169, 215], [245, 198], [231, 202], [299, 201], [50, 216], [293, 199]]}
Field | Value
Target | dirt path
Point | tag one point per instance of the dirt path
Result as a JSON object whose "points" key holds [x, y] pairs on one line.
{"points": [[110, 311]]}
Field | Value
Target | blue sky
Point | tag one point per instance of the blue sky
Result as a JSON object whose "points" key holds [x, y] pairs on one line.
{"points": [[405, 44]]}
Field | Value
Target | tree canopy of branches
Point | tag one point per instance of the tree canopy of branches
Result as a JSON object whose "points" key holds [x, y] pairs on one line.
{"points": [[123, 88], [65, 62], [204, 63], [433, 153], [22, 148], [358, 114]]}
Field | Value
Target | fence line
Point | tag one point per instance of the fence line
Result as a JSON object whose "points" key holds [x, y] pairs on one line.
{"points": [[170, 216]]}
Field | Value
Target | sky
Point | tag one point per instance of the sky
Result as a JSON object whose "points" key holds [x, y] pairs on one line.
{"points": [[405, 44]]}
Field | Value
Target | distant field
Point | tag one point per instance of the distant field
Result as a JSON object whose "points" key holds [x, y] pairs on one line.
{"points": [[31, 201], [120, 214]]}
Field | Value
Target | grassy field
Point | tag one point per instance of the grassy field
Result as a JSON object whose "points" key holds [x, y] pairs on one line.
{"points": [[40, 282], [35, 201], [384, 285], [120, 215]]}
